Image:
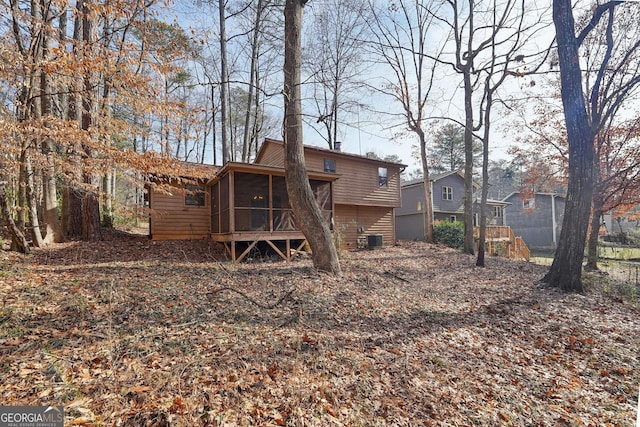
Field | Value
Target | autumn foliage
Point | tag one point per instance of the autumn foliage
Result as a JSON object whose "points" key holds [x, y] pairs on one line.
{"points": [[133, 332]]}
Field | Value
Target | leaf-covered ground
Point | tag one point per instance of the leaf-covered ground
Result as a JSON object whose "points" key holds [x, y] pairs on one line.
{"points": [[130, 332]]}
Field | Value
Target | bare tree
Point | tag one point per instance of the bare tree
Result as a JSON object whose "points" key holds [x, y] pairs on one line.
{"points": [[308, 215], [586, 115], [486, 38], [402, 42], [334, 62]]}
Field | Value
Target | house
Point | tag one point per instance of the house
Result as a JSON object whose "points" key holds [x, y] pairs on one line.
{"points": [[243, 205], [179, 208], [537, 217], [447, 194], [622, 221], [365, 195]]}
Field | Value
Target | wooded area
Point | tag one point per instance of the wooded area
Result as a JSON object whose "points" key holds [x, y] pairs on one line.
{"points": [[100, 98], [97, 96]]}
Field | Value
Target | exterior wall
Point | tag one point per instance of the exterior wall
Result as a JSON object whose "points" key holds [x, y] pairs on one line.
{"points": [[410, 221], [372, 220], [358, 182], [410, 226], [171, 218], [535, 226], [455, 205], [358, 198], [271, 154]]}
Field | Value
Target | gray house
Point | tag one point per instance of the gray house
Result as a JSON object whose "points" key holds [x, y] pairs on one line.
{"points": [[537, 218], [447, 199]]}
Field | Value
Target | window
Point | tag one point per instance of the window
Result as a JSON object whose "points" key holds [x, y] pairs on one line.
{"points": [[452, 218], [497, 211], [447, 193], [194, 196], [528, 204], [382, 177], [330, 165]]}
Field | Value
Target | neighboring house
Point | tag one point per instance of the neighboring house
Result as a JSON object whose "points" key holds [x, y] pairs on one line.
{"points": [[447, 193], [244, 204], [365, 195], [622, 222], [537, 218]]}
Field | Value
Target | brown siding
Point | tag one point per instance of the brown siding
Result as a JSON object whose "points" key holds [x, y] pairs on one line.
{"points": [[172, 219], [272, 154], [358, 182], [374, 220]]}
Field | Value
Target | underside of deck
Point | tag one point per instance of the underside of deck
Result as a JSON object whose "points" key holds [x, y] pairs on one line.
{"points": [[239, 245]]}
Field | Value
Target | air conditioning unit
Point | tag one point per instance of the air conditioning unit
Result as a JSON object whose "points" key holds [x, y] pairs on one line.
{"points": [[374, 241]]}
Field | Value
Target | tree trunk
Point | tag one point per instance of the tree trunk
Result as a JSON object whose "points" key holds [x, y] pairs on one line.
{"points": [[90, 203], [308, 215], [246, 144], [224, 84], [17, 238], [468, 164], [72, 212], [53, 229], [566, 269], [482, 238], [71, 192], [428, 205], [36, 233], [594, 234]]}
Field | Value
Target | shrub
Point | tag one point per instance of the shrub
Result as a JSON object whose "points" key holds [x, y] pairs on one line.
{"points": [[449, 233]]}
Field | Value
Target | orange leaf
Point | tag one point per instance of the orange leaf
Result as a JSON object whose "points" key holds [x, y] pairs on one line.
{"points": [[503, 417], [139, 389], [395, 351]]}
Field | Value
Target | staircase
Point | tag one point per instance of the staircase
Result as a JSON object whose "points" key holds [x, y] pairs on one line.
{"points": [[500, 241]]}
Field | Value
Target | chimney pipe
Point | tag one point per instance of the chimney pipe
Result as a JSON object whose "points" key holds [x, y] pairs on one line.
{"points": [[337, 145]]}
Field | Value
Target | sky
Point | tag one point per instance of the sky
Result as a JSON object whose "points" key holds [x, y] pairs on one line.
{"points": [[386, 135]]}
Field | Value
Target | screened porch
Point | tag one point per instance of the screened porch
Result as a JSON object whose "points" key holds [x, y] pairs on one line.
{"points": [[250, 207]]}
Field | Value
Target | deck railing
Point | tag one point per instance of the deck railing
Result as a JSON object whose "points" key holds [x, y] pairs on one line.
{"points": [[501, 241]]}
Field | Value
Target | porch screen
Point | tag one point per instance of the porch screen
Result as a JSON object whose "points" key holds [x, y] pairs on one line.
{"points": [[224, 204], [322, 191], [282, 214], [251, 195]]}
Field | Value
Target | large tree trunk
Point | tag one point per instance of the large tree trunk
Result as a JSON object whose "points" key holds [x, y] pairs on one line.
{"points": [[53, 228], [566, 269], [90, 202], [308, 215], [72, 193]]}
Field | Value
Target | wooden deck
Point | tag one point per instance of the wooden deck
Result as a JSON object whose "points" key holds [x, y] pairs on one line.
{"points": [[286, 244], [500, 241]]}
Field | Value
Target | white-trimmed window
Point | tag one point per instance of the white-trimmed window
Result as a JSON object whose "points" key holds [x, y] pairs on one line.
{"points": [[497, 211], [453, 218], [382, 177], [529, 203], [447, 193]]}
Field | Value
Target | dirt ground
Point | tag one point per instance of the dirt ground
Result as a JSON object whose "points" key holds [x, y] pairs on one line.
{"points": [[131, 332]]}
